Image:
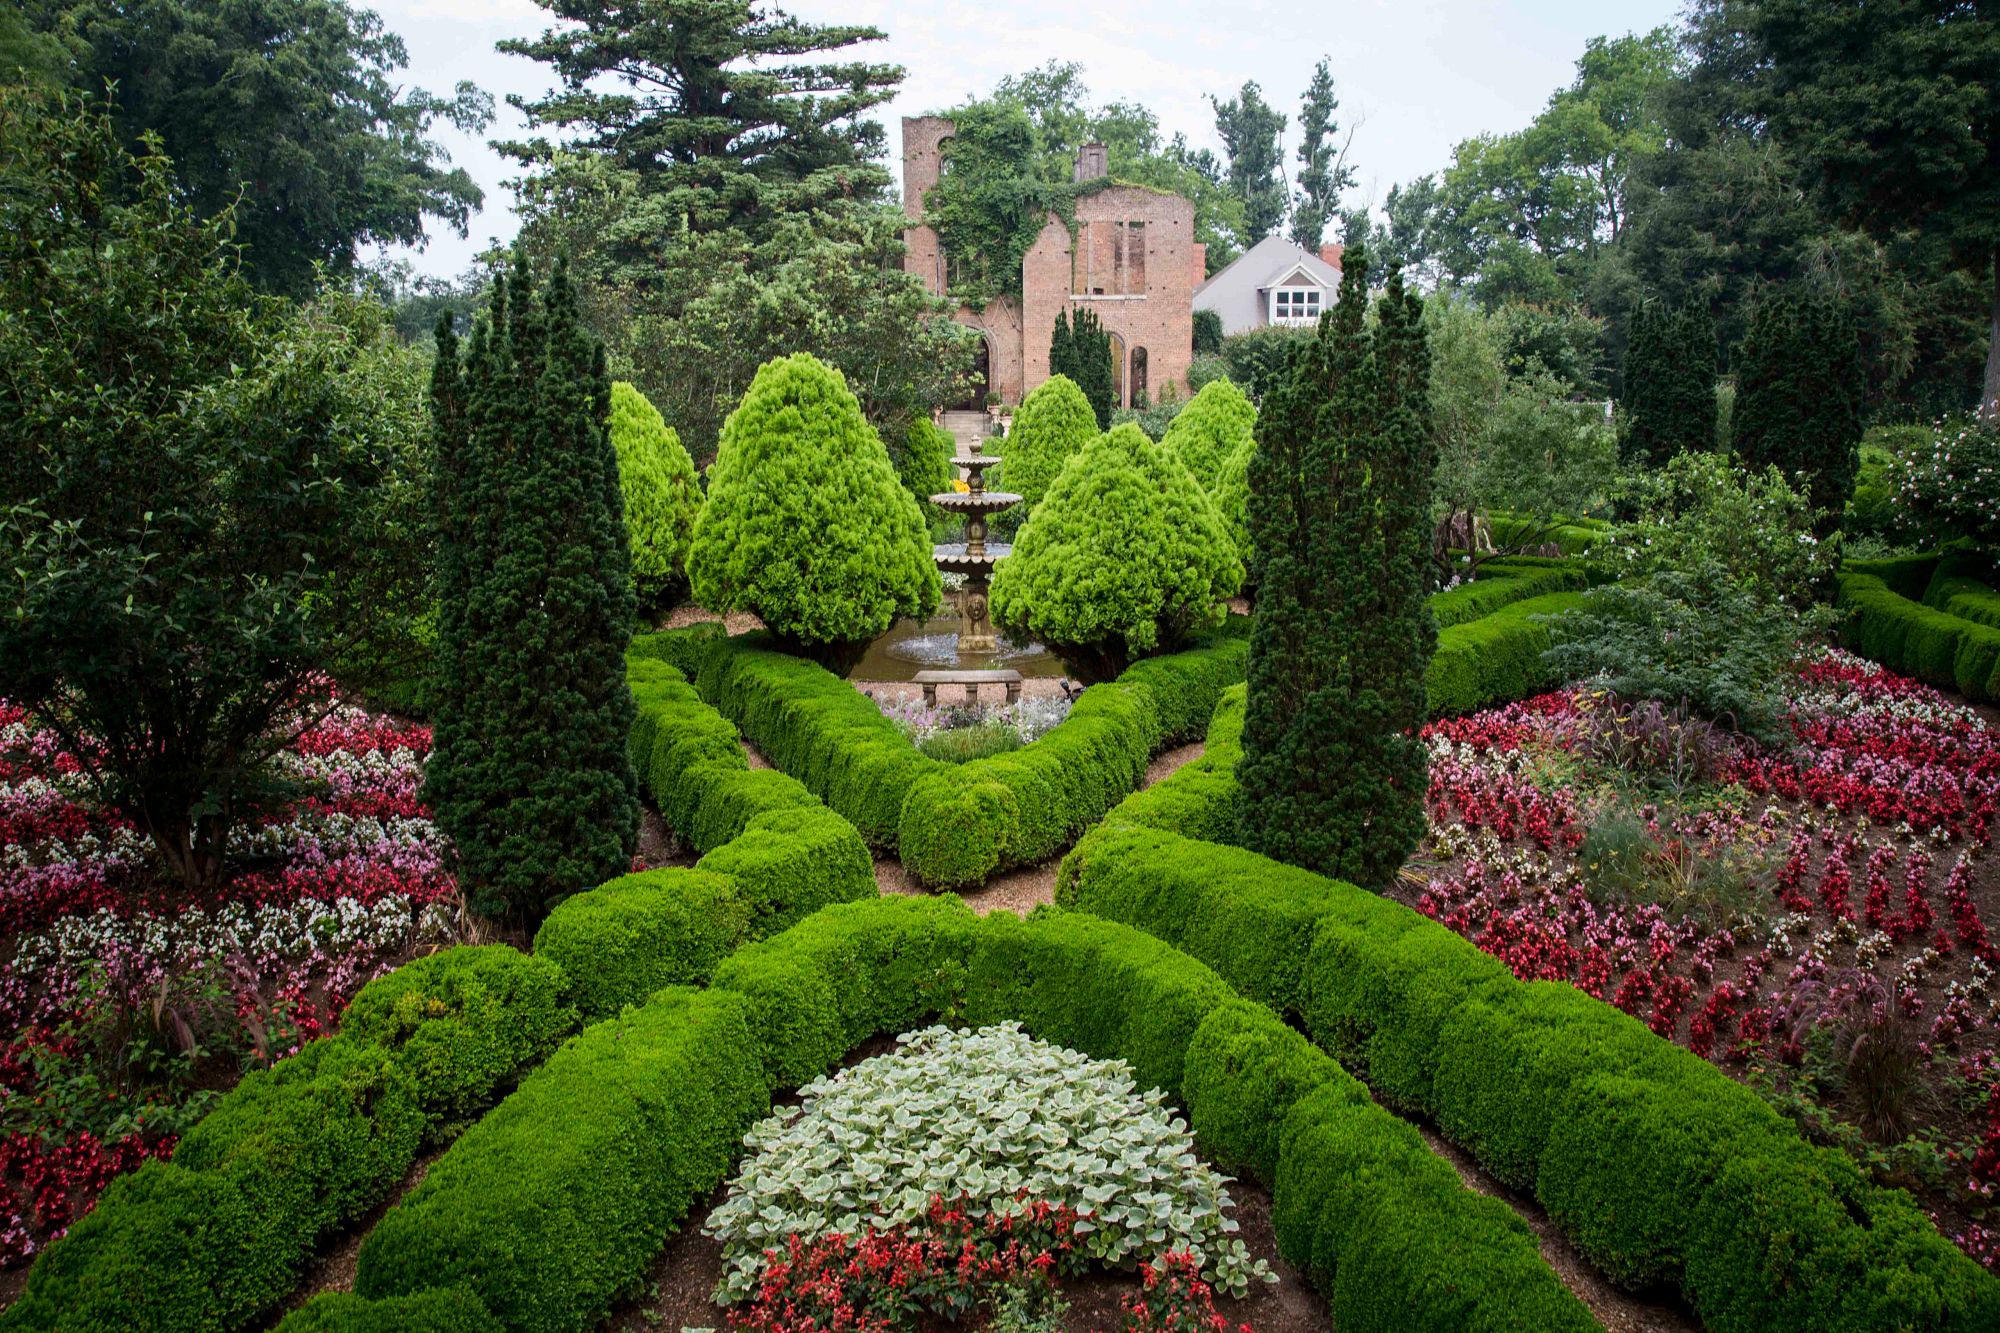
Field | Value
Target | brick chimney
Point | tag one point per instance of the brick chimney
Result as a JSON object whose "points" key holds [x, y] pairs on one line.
{"points": [[1200, 263], [1329, 254], [1092, 163]]}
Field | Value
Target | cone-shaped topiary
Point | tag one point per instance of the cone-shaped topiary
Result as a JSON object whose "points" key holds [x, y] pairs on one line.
{"points": [[1215, 424], [1124, 557], [925, 465], [662, 496], [1801, 395], [1231, 495], [528, 773], [1333, 773], [806, 523], [1053, 425]]}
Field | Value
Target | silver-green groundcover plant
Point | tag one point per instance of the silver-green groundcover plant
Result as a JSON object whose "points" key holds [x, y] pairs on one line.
{"points": [[990, 1117]]}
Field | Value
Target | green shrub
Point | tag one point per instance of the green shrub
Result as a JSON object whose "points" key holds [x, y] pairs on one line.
{"points": [[1801, 393], [1258, 360], [1496, 658], [1668, 395], [924, 466], [1216, 423], [806, 523], [1962, 587], [465, 1023], [529, 774], [1907, 636], [1500, 584], [1244, 1073], [788, 863], [1124, 557], [1943, 483], [1231, 494], [438, 1310], [662, 495], [560, 1197], [1053, 425], [625, 939], [1207, 333], [1332, 774]]}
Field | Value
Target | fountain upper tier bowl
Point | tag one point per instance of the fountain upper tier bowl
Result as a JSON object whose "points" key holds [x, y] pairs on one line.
{"points": [[975, 502]]}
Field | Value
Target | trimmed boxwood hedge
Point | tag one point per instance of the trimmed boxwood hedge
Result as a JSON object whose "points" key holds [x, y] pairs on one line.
{"points": [[1658, 1165], [217, 1237], [1904, 635], [1500, 582], [559, 1198], [1496, 658], [439, 1310], [1962, 587]]}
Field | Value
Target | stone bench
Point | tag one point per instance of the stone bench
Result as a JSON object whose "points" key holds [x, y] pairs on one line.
{"points": [[972, 680]]}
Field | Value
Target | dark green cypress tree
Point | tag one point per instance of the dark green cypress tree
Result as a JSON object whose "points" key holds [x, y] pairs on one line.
{"points": [[1800, 394], [529, 775], [1093, 366], [1669, 383], [1062, 349], [1332, 775]]}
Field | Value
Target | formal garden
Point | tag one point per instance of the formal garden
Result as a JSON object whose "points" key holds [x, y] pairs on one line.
{"points": [[573, 801]]}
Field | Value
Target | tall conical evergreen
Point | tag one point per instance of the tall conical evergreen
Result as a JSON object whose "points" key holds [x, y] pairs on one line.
{"points": [[1800, 395], [1669, 383], [1062, 349], [1092, 350], [529, 775], [1332, 775]]}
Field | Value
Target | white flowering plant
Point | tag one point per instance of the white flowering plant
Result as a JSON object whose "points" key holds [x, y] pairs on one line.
{"points": [[995, 1120]]}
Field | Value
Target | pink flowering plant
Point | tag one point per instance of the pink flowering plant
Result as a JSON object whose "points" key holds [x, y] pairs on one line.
{"points": [[1813, 915], [127, 1002]]}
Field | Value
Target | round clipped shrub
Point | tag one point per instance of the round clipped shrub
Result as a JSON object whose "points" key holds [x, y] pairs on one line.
{"points": [[1053, 425], [1124, 557], [662, 495], [1209, 431], [956, 826], [806, 523]]}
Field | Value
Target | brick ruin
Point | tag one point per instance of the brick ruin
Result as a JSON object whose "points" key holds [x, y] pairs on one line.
{"points": [[1134, 262]]}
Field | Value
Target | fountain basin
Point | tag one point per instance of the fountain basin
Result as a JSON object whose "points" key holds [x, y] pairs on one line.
{"points": [[975, 502], [911, 646]]}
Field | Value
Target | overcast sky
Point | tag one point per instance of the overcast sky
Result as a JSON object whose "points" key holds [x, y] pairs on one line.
{"points": [[1419, 75]]}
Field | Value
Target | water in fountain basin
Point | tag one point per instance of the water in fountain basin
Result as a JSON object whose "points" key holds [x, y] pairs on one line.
{"points": [[911, 646]]}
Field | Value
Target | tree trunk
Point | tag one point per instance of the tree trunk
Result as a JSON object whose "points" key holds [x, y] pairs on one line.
{"points": [[1989, 397]]}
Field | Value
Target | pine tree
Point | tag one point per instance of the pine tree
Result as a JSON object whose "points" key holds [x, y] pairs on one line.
{"points": [[1062, 349], [529, 774], [1800, 395], [1669, 384], [1332, 775]]}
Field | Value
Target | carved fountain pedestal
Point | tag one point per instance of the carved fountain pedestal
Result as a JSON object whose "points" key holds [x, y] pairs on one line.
{"points": [[975, 625]]}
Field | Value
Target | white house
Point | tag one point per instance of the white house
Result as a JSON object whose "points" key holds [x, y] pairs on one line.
{"points": [[1273, 282]]}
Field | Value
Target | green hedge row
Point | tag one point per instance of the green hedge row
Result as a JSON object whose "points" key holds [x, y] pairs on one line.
{"points": [[1658, 1165], [1904, 635], [772, 853], [1382, 1224], [217, 1237], [1574, 537], [954, 824], [1962, 587], [560, 1197], [1494, 659], [438, 1310], [962, 822], [1501, 582]]}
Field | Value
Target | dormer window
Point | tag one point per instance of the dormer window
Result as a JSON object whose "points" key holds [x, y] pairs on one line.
{"points": [[1294, 305]]}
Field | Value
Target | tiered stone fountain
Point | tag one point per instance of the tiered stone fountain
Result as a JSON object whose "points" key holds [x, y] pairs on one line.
{"points": [[975, 562]]}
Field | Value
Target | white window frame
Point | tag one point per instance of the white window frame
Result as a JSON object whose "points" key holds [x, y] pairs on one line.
{"points": [[1301, 305]]}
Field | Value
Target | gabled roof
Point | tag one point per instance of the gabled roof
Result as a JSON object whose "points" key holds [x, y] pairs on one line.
{"points": [[1268, 263], [1299, 275]]}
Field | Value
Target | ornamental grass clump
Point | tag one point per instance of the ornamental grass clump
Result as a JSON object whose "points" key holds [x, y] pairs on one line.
{"points": [[662, 497], [989, 1119], [806, 522], [1125, 557]]}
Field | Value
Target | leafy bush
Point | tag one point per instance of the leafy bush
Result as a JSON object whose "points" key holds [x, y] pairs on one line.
{"points": [[563, 1194], [1054, 424], [624, 940], [1215, 425], [1258, 359], [1157, 417], [1207, 333], [806, 523], [1206, 369], [988, 1117], [662, 495], [1124, 557], [1231, 495], [1721, 574], [1946, 485], [924, 467], [437, 1310]]}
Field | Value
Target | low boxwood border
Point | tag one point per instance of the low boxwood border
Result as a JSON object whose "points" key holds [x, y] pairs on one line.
{"points": [[556, 1203], [1658, 1165], [217, 1237], [1935, 646]]}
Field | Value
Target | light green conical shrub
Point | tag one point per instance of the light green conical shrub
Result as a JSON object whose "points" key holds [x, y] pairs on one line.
{"points": [[1053, 424], [1124, 557], [1215, 424], [1231, 494], [806, 523], [662, 495]]}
